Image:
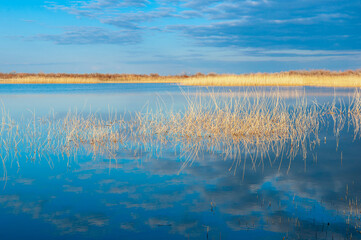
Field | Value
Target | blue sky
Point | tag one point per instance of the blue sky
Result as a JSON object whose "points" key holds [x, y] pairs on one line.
{"points": [[179, 36]]}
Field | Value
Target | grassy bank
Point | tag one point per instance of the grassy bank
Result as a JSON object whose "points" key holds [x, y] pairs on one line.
{"points": [[320, 78]]}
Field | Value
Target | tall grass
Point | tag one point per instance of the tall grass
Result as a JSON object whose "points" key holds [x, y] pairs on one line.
{"points": [[312, 78], [292, 78], [64, 78]]}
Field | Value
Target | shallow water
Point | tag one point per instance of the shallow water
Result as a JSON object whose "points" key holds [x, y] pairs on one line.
{"points": [[43, 98], [151, 195]]}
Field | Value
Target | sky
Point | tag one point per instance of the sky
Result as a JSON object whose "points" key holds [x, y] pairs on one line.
{"points": [[179, 36]]}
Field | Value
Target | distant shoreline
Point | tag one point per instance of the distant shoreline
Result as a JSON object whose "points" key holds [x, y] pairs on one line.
{"points": [[321, 78]]}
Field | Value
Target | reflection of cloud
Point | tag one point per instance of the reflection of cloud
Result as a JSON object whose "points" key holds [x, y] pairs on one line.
{"points": [[146, 205], [68, 188], [265, 195], [120, 190], [8, 198], [25, 181], [166, 166], [106, 181], [241, 223], [156, 222], [84, 176], [63, 220], [128, 227], [19, 206], [266, 199], [184, 227], [78, 223], [308, 228], [95, 220]]}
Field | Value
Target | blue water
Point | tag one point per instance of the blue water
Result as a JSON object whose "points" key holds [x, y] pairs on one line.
{"points": [[148, 197], [23, 99]]}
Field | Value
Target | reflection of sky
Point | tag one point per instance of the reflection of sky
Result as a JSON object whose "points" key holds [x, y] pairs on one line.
{"points": [[102, 98], [147, 197], [85, 98]]}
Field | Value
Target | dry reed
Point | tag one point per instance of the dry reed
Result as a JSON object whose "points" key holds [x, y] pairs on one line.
{"points": [[239, 127], [236, 126], [292, 78]]}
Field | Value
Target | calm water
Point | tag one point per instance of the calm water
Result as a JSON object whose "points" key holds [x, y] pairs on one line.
{"points": [[148, 197]]}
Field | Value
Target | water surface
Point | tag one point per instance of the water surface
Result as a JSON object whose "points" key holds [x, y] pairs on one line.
{"points": [[151, 196]]}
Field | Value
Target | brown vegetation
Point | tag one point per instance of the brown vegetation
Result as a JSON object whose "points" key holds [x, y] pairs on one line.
{"points": [[235, 126], [292, 78]]}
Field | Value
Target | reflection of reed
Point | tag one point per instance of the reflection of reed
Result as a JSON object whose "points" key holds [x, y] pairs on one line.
{"points": [[237, 126], [354, 113], [241, 128]]}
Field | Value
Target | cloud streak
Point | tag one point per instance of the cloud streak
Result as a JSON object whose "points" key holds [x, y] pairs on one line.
{"points": [[92, 35], [178, 36], [229, 23]]}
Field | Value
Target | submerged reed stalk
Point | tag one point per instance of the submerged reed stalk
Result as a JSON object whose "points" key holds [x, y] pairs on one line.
{"points": [[240, 127], [354, 113], [235, 126]]}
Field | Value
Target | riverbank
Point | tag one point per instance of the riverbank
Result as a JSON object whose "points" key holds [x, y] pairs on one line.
{"points": [[321, 78]]}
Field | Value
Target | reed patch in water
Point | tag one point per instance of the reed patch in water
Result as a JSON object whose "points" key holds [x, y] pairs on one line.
{"points": [[236, 127]]}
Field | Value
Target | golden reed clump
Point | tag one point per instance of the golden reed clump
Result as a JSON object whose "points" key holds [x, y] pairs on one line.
{"points": [[292, 78], [234, 125]]}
